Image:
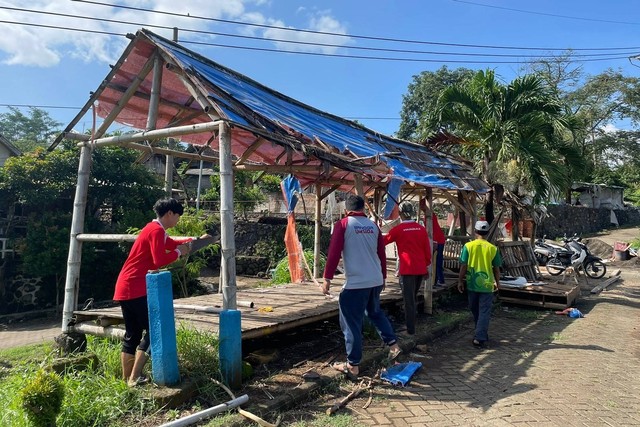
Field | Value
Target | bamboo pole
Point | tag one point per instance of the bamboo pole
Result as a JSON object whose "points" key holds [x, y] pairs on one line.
{"points": [[157, 134], [126, 96], [317, 232], [72, 280], [156, 86], [428, 291], [228, 246]]}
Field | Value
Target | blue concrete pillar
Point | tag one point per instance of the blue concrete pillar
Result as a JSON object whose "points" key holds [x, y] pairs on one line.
{"points": [[230, 351], [162, 329]]}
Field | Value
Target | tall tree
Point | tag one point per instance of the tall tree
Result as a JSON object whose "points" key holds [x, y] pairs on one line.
{"points": [[28, 132], [522, 126], [422, 96]]}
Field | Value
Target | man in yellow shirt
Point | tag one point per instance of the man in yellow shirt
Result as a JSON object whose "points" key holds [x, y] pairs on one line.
{"points": [[480, 269]]}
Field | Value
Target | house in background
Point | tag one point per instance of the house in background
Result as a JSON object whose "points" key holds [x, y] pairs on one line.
{"points": [[7, 150]]}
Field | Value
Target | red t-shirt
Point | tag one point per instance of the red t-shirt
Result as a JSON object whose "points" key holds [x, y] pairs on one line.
{"points": [[152, 249], [438, 235], [414, 248]]}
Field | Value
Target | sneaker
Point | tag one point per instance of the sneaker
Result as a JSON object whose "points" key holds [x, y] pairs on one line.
{"points": [[138, 381]]}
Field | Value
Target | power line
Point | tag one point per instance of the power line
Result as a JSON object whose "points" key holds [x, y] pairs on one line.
{"points": [[257, 49], [532, 12], [251, 24], [166, 27]]}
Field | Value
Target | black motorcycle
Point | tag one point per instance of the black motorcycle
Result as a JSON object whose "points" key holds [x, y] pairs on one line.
{"points": [[576, 254]]}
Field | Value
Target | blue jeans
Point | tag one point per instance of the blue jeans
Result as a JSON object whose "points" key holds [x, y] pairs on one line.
{"points": [[480, 304], [440, 263], [354, 304]]}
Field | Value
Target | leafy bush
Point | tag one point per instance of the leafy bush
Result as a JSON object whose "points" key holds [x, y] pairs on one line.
{"points": [[42, 398], [282, 275]]}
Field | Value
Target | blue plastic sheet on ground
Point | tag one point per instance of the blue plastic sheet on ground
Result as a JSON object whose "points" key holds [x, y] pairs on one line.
{"points": [[401, 373]]}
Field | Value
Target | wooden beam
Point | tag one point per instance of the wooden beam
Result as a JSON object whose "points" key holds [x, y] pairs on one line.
{"points": [[250, 150], [329, 191], [610, 281], [277, 168], [126, 96]]}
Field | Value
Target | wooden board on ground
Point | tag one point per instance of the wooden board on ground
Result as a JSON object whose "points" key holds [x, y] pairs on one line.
{"points": [[546, 295]]}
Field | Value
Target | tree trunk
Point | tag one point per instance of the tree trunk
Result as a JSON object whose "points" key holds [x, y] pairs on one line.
{"points": [[488, 207], [515, 228]]}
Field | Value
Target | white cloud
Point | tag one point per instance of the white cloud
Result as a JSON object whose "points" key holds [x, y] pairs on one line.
{"points": [[46, 47], [609, 128]]}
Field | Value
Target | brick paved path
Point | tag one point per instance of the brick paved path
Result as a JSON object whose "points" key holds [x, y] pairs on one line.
{"points": [[544, 371]]}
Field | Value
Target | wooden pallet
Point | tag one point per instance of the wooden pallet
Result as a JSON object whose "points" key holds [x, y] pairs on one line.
{"points": [[518, 260], [452, 249], [547, 295]]}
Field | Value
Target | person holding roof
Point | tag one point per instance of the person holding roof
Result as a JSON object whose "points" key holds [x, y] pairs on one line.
{"points": [[480, 263], [414, 256], [358, 241], [152, 249]]}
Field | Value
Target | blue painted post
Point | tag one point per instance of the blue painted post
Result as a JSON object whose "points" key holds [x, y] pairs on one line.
{"points": [[230, 351], [162, 329]]}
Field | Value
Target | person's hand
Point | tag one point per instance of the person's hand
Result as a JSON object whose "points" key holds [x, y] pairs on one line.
{"points": [[184, 249], [204, 236], [325, 286], [460, 286], [384, 284], [496, 287]]}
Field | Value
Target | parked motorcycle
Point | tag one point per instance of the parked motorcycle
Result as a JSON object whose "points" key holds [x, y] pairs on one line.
{"points": [[543, 250], [575, 254]]}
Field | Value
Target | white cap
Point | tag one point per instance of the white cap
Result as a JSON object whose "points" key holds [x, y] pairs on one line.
{"points": [[482, 226]]}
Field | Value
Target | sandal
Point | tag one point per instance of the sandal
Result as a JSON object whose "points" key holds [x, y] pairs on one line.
{"points": [[393, 354], [344, 368], [477, 343]]}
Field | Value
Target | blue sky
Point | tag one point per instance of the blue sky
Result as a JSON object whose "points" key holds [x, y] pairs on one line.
{"points": [[52, 67]]}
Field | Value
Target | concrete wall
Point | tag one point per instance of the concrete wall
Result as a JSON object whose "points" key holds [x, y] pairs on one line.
{"points": [[566, 219]]}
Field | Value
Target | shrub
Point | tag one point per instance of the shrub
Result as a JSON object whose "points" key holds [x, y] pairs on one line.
{"points": [[282, 275], [42, 397]]}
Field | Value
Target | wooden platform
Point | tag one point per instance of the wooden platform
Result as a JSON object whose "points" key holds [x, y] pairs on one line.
{"points": [[275, 309], [547, 295]]}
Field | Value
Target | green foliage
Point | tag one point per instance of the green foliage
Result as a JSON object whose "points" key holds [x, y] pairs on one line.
{"points": [[44, 184], [422, 95], [249, 189], [28, 132], [198, 360], [282, 275], [522, 125], [42, 398], [186, 270]]}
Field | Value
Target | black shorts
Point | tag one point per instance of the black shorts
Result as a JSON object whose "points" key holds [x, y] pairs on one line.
{"points": [[136, 322]]}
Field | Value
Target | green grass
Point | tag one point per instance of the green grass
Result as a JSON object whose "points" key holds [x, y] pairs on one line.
{"points": [[338, 420], [447, 318], [25, 353], [97, 396], [556, 336]]}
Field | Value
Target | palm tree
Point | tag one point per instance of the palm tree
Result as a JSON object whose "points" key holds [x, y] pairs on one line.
{"points": [[520, 133]]}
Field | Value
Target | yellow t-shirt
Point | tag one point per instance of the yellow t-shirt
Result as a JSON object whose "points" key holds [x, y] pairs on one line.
{"points": [[480, 257]]}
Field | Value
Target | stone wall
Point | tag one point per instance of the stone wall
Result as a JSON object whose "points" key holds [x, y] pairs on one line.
{"points": [[569, 220], [260, 245]]}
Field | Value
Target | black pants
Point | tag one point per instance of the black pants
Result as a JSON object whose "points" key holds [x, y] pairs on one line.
{"points": [[410, 285], [136, 322]]}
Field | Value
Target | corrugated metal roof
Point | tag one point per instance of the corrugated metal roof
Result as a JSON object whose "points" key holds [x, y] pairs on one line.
{"points": [[196, 89]]}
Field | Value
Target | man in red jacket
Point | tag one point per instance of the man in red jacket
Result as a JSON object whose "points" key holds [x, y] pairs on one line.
{"points": [[414, 256], [152, 249]]}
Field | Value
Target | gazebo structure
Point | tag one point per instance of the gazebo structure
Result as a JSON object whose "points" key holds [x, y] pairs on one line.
{"points": [[168, 91]]}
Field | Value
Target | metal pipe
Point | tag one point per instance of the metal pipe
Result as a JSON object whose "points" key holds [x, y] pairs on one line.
{"points": [[157, 134], [198, 416], [72, 280]]}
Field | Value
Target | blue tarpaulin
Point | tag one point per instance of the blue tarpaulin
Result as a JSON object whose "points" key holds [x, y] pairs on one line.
{"points": [[290, 190]]}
